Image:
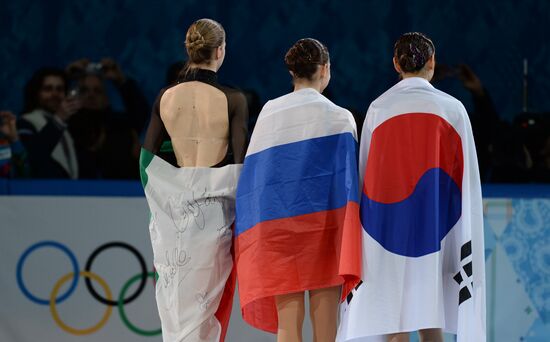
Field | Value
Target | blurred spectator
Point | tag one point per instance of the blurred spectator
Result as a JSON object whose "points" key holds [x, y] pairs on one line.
{"points": [[43, 126], [483, 117], [107, 141], [507, 153], [534, 131], [13, 157], [511, 162]]}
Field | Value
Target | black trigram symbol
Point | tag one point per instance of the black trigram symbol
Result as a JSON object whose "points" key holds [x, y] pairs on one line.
{"points": [[350, 295], [464, 276]]}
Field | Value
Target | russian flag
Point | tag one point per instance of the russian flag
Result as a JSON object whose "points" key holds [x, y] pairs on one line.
{"points": [[297, 224]]}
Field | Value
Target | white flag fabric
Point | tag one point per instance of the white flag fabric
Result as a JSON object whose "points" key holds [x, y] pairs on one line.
{"points": [[421, 213], [192, 213], [297, 225]]}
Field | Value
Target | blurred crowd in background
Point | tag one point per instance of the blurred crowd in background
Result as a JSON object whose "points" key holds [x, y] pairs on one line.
{"points": [[68, 129]]}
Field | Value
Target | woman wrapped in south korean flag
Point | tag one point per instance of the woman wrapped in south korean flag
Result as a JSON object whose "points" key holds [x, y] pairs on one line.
{"points": [[421, 213]]}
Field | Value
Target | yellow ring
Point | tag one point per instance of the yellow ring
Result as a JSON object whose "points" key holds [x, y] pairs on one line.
{"points": [[64, 326]]}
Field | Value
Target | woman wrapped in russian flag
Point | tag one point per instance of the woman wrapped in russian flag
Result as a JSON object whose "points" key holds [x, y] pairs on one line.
{"points": [[421, 212], [297, 224]]}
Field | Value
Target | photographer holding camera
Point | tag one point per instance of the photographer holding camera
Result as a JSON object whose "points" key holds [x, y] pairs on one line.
{"points": [[106, 140], [43, 125]]}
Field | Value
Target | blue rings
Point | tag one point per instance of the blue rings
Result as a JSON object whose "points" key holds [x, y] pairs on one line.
{"points": [[21, 262]]}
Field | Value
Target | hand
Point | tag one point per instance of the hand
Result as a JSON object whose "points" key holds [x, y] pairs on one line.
{"points": [[77, 68], [69, 106], [112, 71], [469, 79], [8, 127], [443, 71]]}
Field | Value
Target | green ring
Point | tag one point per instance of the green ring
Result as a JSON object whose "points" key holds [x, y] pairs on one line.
{"points": [[123, 314]]}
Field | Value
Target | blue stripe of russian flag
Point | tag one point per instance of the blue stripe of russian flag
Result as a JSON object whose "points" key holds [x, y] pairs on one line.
{"points": [[298, 178]]}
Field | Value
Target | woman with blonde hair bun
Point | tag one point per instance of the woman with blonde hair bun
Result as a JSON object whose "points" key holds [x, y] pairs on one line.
{"points": [[192, 205]]}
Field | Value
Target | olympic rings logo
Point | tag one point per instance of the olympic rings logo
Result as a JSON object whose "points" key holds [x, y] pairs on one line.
{"points": [[88, 276]]}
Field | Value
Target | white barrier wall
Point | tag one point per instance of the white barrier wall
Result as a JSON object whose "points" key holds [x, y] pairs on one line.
{"points": [[44, 238], [57, 231]]}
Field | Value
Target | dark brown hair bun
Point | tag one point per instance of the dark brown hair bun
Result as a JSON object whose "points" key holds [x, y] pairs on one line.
{"points": [[305, 56], [412, 51]]}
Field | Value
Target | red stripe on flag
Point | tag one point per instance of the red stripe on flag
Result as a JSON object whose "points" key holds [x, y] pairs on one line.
{"points": [[295, 254]]}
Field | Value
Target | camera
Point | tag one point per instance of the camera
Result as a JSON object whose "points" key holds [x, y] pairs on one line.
{"points": [[73, 92], [94, 68]]}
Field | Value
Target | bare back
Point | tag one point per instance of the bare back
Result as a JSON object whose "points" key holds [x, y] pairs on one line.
{"points": [[206, 122]]}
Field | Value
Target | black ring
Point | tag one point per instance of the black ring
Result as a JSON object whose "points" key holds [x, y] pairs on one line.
{"points": [[141, 263]]}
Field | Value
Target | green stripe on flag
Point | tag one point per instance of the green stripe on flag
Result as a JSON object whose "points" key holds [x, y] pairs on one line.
{"points": [[145, 158], [167, 146]]}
